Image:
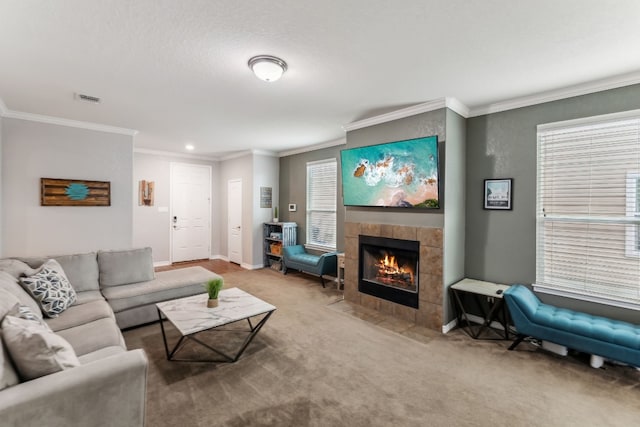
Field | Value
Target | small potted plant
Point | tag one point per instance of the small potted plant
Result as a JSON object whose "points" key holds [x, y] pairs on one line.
{"points": [[213, 287], [275, 214]]}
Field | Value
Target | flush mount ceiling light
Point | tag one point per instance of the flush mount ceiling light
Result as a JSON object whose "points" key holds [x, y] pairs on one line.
{"points": [[189, 147], [267, 68]]}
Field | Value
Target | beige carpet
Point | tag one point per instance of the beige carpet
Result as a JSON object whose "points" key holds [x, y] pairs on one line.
{"points": [[321, 362]]}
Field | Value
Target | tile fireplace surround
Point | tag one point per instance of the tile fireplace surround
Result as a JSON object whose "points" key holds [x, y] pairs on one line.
{"points": [[429, 313]]}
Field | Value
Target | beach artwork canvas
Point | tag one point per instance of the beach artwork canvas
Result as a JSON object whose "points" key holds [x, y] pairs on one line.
{"points": [[396, 174]]}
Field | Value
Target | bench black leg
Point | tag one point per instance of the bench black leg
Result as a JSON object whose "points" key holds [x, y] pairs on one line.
{"points": [[518, 340], [322, 280]]}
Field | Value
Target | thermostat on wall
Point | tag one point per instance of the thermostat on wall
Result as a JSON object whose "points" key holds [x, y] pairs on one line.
{"points": [[292, 207]]}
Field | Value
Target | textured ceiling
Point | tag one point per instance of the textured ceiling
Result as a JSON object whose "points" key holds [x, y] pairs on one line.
{"points": [[177, 72]]}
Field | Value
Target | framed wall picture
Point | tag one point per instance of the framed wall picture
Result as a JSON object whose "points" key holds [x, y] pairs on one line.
{"points": [[498, 193], [74, 192]]}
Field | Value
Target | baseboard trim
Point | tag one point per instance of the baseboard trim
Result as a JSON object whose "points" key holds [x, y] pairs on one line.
{"points": [[449, 326], [161, 263], [251, 267], [222, 257]]}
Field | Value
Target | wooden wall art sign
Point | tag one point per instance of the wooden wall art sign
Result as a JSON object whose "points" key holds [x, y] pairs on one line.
{"points": [[74, 192], [146, 193]]}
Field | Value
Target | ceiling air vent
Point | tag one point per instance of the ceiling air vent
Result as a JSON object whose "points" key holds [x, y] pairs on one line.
{"points": [[87, 98]]}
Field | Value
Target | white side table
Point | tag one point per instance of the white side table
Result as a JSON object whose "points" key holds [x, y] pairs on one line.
{"points": [[478, 290]]}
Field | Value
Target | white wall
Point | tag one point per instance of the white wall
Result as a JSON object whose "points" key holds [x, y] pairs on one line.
{"points": [[33, 150], [265, 174], [1, 187], [239, 168], [152, 227]]}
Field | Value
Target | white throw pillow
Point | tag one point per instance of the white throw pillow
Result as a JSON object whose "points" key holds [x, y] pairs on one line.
{"points": [[35, 349], [50, 287]]}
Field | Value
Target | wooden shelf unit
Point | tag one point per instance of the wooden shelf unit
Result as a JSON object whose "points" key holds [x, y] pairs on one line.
{"points": [[286, 235]]}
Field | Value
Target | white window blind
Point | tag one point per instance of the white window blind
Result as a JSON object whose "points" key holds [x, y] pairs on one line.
{"points": [[322, 184], [587, 209]]}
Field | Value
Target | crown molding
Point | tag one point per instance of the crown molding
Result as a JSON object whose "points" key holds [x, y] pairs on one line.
{"points": [[264, 152], [67, 122], [555, 95], [333, 143], [451, 103], [236, 155], [174, 154]]}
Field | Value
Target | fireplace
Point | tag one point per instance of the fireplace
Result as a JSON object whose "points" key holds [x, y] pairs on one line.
{"points": [[389, 269]]}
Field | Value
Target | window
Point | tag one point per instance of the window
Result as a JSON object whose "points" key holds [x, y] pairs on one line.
{"points": [[588, 209], [321, 204]]}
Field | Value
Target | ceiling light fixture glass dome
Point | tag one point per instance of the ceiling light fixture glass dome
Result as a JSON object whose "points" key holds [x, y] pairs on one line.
{"points": [[267, 68]]}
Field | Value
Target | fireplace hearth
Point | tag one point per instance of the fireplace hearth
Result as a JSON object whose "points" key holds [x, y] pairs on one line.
{"points": [[389, 269]]}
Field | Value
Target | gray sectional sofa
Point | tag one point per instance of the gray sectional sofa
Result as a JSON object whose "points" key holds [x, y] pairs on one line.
{"points": [[114, 290]]}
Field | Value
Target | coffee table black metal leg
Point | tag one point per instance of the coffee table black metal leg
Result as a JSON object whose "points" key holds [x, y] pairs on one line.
{"points": [[252, 333], [164, 339]]}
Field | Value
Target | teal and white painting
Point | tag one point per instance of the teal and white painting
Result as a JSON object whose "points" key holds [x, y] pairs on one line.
{"points": [[396, 174]]}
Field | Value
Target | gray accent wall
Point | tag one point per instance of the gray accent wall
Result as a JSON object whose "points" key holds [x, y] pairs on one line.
{"points": [[150, 226], [425, 124], [293, 189], [32, 150], [501, 245]]}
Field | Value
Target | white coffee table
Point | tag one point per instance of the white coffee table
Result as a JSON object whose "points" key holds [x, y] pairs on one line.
{"points": [[191, 316]]}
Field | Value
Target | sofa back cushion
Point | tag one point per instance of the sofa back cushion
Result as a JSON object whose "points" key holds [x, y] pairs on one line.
{"points": [[8, 374], [16, 267], [81, 270], [124, 267], [11, 285]]}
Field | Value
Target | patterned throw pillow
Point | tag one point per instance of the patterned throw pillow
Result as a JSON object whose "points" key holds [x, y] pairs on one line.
{"points": [[51, 288]]}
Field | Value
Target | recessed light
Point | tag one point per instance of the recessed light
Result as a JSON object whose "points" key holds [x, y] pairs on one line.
{"points": [[189, 147]]}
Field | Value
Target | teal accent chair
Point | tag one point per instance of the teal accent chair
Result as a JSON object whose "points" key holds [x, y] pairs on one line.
{"points": [[297, 258]]}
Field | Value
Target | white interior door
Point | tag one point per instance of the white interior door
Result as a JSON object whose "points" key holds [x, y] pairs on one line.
{"points": [[234, 239], [190, 212]]}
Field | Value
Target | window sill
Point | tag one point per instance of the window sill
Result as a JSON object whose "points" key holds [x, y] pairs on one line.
{"points": [[319, 248]]}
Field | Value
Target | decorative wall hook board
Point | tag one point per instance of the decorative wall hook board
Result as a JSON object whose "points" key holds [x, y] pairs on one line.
{"points": [[74, 192], [146, 193]]}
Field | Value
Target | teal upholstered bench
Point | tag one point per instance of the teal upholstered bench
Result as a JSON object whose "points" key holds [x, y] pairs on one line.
{"points": [[598, 336], [296, 258]]}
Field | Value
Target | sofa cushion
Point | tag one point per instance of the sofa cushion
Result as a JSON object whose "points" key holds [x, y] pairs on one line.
{"points": [[81, 270], [167, 285], [93, 336], [101, 354], [8, 374], [16, 268], [10, 284], [84, 297], [124, 267], [35, 349], [77, 315], [50, 287]]}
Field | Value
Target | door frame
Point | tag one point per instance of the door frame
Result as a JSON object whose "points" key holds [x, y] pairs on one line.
{"points": [[229, 181], [172, 165]]}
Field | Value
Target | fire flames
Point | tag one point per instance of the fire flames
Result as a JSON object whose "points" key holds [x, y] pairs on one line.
{"points": [[388, 270]]}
